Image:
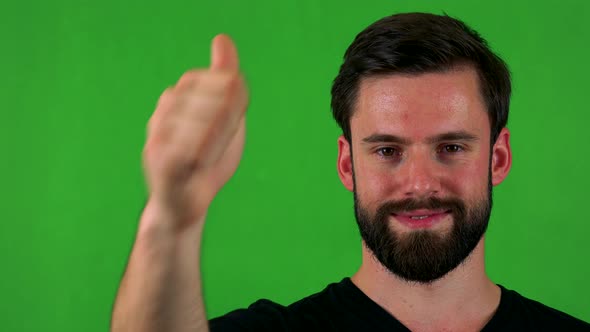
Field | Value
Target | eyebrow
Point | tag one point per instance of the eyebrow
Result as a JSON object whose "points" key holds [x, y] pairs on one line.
{"points": [[450, 136]]}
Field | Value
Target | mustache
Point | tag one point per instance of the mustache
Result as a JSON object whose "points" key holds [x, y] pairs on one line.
{"points": [[453, 205]]}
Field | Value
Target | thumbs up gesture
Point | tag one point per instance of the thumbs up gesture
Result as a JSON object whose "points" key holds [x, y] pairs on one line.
{"points": [[196, 136]]}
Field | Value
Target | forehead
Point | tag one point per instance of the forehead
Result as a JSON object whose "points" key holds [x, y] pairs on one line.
{"points": [[418, 106]]}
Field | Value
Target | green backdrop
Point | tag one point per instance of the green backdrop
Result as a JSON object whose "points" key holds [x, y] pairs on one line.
{"points": [[81, 78]]}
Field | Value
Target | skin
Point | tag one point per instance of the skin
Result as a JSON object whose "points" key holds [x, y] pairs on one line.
{"points": [[419, 109], [194, 144]]}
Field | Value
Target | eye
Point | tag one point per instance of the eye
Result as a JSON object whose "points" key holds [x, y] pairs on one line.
{"points": [[388, 152], [451, 148]]}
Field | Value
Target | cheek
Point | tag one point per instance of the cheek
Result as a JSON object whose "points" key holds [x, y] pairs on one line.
{"points": [[464, 182], [471, 180], [467, 178], [375, 184], [371, 183]]}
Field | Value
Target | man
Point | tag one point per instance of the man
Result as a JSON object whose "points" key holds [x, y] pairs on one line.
{"points": [[423, 104]]}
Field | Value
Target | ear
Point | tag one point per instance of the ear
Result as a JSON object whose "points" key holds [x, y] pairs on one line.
{"points": [[501, 157], [345, 163]]}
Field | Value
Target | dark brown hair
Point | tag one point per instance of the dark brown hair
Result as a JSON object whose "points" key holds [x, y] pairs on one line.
{"points": [[416, 43]]}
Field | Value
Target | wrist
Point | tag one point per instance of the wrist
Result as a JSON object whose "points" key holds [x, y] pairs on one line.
{"points": [[159, 220]]}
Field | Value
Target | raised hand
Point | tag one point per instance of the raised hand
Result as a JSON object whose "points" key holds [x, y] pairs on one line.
{"points": [[196, 137]]}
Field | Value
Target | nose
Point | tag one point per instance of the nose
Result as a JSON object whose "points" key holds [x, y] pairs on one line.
{"points": [[419, 177]]}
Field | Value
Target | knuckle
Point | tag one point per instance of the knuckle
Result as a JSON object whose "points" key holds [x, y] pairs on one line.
{"points": [[189, 78], [231, 81], [221, 81], [191, 75], [166, 100], [167, 95], [148, 151]]}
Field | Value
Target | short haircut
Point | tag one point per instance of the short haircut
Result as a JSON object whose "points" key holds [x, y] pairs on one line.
{"points": [[417, 43]]}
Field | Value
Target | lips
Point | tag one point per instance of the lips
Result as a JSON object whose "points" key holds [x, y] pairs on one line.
{"points": [[421, 218]]}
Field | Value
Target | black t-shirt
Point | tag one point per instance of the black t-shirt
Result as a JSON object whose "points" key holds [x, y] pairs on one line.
{"points": [[344, 307]]}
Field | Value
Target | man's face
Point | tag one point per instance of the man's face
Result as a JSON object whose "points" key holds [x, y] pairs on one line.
{"points": [[420, 169]]}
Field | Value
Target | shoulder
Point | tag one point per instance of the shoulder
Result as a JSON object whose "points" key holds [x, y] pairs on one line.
{"points": [[338, 307], [523, 313], [262, 315], [266, 315]]}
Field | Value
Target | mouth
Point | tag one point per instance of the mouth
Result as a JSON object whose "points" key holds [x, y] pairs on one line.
{"points": [[421, 218]]}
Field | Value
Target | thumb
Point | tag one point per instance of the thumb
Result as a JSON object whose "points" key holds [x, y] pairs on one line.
{"points": [[224, 54]]}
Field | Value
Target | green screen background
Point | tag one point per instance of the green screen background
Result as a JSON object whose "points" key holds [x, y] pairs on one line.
{"points": [[80, 80]]}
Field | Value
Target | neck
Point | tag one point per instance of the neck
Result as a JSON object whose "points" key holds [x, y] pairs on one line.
{"points": [[463, 300]]}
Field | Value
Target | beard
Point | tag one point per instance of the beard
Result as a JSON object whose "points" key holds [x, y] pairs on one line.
{"points": [[423, 256]]}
